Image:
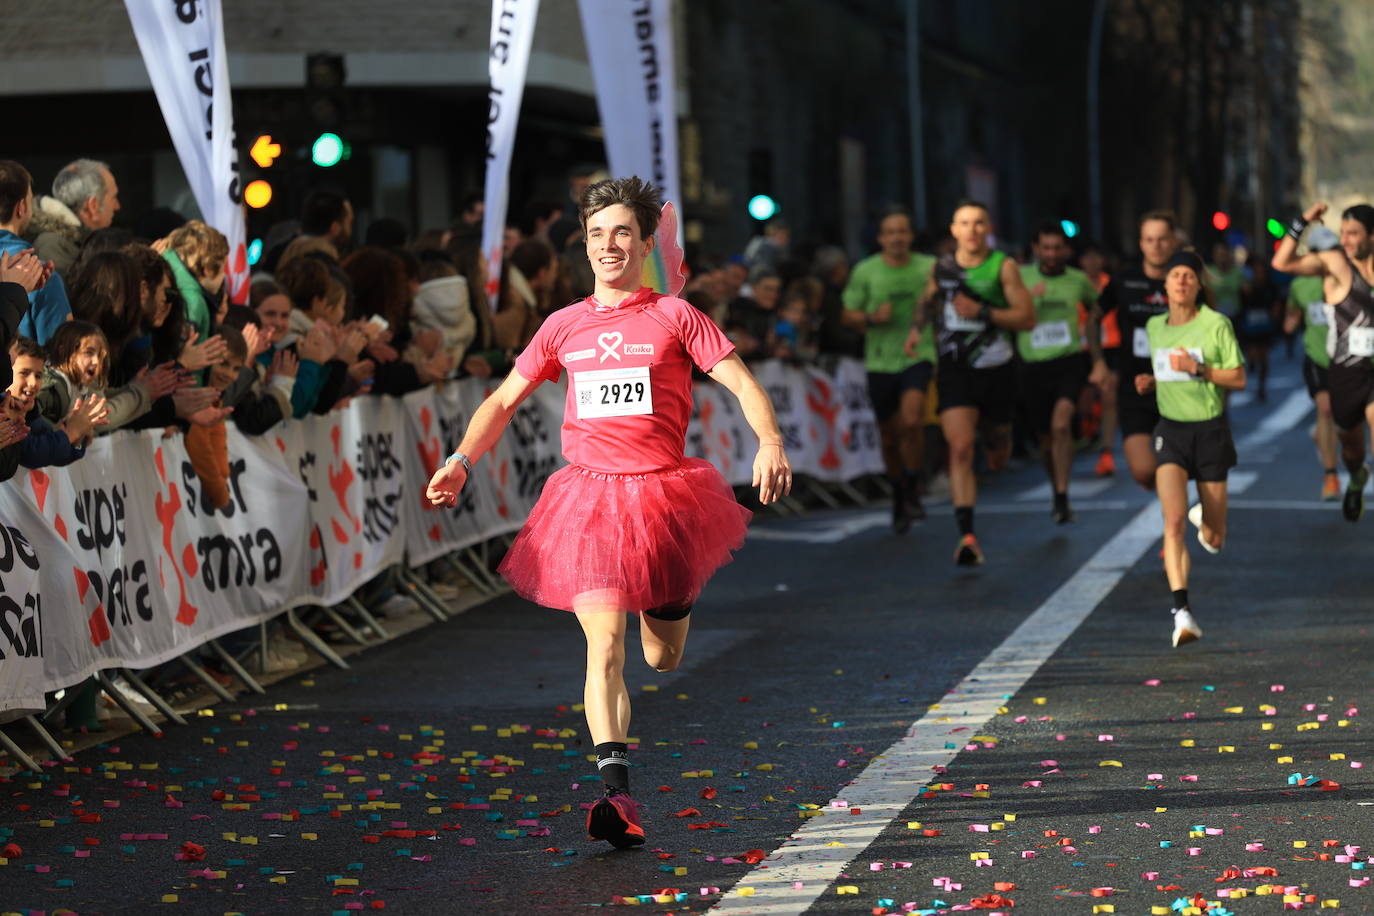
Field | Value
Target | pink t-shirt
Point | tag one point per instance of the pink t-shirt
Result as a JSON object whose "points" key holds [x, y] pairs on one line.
{"points": [[629, 377]]}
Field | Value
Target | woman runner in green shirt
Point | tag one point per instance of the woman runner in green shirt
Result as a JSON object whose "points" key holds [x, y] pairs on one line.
{"points": [[1195, 355]]}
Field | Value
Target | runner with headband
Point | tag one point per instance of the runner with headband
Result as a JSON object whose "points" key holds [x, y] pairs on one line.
{"points": [[631, 525]]}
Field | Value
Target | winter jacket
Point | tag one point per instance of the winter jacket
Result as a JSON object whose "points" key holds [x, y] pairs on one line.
{"points": [[443, 305], [46, 446], [48, 306], [125, 404], [14, 302], [56, 232]]}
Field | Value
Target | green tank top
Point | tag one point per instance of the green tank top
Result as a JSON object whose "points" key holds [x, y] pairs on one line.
{"points": [[986, 279]]}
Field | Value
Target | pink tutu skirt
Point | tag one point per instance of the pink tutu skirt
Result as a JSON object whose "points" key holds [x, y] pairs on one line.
{"points": [[626, 541]]}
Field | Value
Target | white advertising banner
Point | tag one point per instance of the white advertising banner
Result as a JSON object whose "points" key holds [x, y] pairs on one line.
{"points": [[182, 44], [504, 484], [630, 46], [512, 33]]}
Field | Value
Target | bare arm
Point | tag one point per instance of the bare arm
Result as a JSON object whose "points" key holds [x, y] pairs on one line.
{"points": [[488, 423], [772, 473], [923, 315], [1020, 314], [1098, 375], [1314, 263], [1234, 379]]}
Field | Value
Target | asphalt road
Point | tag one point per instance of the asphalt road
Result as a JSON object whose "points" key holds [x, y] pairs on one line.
{"points": [[795, 761]]}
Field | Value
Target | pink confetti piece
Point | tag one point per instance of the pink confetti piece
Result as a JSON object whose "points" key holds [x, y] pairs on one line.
{"points": [[1049, 763], [1106, 737], [1153, 776], [1194, 850], [1152, 682], [1031, 784], [1094, 829], [1150, 875], [1276, 688], [1189, 778], [1028, 854]]}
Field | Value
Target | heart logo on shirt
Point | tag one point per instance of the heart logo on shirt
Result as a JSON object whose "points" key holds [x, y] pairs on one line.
{"points": [[609, 341]]}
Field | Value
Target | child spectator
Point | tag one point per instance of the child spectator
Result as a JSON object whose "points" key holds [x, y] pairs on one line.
{"points": [[79, 366], [46, 445], [207, 445], [197, 254], [261, 395], [792, 331], [441, 307]]}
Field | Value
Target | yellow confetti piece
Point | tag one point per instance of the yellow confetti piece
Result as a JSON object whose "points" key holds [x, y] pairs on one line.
{"points": [[984, 739], [1002, 710], [1337, 756], [1160, 810], [913, 825], [1103, 908], [1299, 844], [975, 856], [1309, 726], [1234, 710], [748, 891], [751, 745], [345, 882], [1187, 742], [680, 870], [279, 879], [310, 836], [1039, 701], [1276, 747], [1226, 749], [1110, 763], [477, 728], [248, 840], [1283, 760], [1331, 904], [170, 898], [1160, 910], [847, 889], [834, 843]]}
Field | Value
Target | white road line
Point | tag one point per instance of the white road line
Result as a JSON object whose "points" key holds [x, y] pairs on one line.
{"points": [[1079, 487], [890, 781], [833, 534], [1283, 418], [808, 862]]}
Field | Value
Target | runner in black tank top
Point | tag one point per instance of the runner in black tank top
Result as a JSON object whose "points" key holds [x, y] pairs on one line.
{"points": [[1346, 274]]}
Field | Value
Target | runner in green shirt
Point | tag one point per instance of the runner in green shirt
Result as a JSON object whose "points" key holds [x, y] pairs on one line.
{"points": [[1055, 367], [880, 299], [1307, 307], [1225, 280], [1195, 355]]}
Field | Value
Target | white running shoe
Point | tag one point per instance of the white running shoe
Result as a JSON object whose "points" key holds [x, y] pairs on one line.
{"points": [[1185, 627], [1195, 516]]}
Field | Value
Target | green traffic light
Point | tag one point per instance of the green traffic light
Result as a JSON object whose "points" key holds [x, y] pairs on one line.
{"points": [[327, 151], [1275, 228]]}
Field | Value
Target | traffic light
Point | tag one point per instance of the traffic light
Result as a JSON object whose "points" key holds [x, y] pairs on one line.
{"points": [[1070, 228], [762, 207], [1275, 228], [264, 151], [1220, 221], [328, 150], [258, 194], [324, 89]]}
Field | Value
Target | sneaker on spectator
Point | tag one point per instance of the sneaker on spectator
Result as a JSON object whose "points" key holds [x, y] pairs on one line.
{"points": [[397, 604]]}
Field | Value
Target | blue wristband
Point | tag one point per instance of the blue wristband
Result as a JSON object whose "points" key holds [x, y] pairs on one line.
{"points": [[467, 465]]}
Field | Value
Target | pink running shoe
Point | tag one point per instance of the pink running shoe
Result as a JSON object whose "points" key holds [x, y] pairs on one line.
{"points": [[615, 819]]}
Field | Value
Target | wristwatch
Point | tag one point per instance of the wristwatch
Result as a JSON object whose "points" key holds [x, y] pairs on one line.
{"points": [[467, 465]]}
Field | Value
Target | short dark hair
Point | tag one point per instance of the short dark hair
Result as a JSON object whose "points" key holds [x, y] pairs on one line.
{"points": [[239, 317], [234, 342], [263, 288], [970, 202], [26, 346], [303, 280], [896, 210], [15, 182], [1361, 213], [321, 210], [1049, 227], [645, 200], [531, 256], [1164, 216]]}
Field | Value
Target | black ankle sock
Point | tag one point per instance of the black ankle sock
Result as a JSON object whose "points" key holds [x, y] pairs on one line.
{"points": [[964, 516], [1061, 500], [1181, 599], [613, 761]]}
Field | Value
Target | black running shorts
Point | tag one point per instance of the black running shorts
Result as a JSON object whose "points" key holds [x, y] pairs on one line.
{"points": [[991, 391], [1314, 376], [1204, 448], [1045, 384], [1136, 414], [885, 389], [1352, 388]]}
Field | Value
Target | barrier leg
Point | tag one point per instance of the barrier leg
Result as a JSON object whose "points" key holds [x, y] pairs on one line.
{"points": [[881, 483], [820, 492], [152, 696], [244, 677], [848, 489], [349, 630], [60, 706], [16, 754], [215, 686], [46, 737], [366, 615], [130, 708], [262, 645], [311, 639], [478, 582], [422, 594], [479, 562]]}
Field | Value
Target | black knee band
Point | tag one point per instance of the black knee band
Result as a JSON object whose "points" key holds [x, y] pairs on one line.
{"points": [[669, 612]]}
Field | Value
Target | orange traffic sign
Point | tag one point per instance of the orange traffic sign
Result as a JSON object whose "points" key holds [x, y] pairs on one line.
{"points": [[264, 151]]}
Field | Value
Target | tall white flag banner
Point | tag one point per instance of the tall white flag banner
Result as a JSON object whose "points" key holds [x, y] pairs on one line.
{"points": [[183, 48], [631, 51], [512, 33]]}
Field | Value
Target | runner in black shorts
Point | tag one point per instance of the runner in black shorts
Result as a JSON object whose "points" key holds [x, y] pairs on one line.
{"points": [[975, 298], [1054, 367], [880, 299], [1307, 308], [1136, 295], [1194, 356], [1347, 275]]}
